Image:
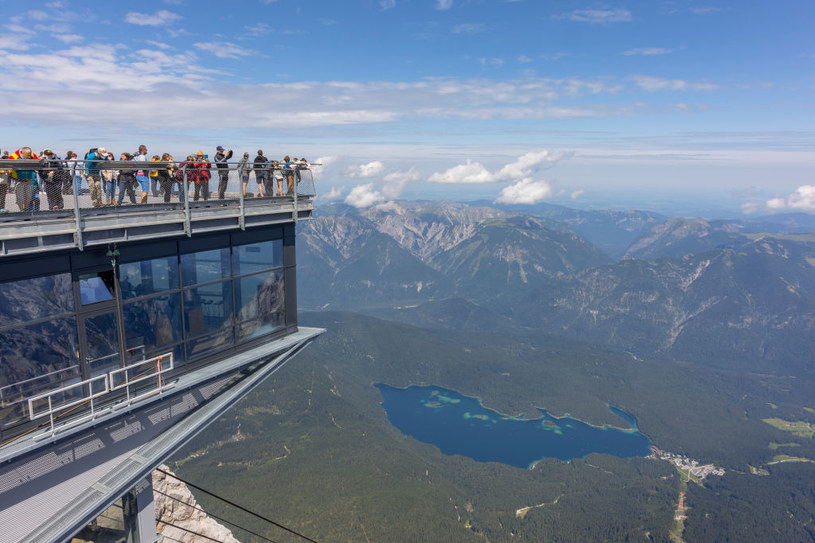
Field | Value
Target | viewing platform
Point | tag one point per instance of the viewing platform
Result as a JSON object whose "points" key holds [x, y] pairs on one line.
{"points": [[126, 327], [81, 222]]}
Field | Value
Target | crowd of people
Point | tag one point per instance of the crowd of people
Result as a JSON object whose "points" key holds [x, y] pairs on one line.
{"points": [[57, 177]]}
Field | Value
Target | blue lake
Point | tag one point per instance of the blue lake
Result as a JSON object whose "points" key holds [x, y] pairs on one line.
{"points": [[459, 424]]}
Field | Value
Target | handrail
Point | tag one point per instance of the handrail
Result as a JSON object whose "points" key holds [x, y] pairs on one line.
{"points": [[83, 399], [112, 382], [37, 378], [156, 363]]}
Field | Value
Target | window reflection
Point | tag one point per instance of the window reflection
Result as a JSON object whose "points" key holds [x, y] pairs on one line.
{"points": [[35, 359], [255, 257], [208, 308], [205, 267], [151, 324], [35, 298], [96, 287], [261, 297], [148, 277]]}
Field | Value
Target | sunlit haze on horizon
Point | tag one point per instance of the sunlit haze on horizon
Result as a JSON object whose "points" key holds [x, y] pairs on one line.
{"points": [[703, 106]]}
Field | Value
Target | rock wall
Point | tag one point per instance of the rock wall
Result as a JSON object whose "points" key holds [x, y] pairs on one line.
{"points": [[182, 510]]}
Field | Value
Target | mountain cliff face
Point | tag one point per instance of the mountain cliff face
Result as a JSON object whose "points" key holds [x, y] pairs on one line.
{"points": [[692, 289], [680, 237], [410, 254], [753, 306], [178, 514]]}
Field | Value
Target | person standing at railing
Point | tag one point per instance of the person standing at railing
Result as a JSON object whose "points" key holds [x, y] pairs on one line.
{"points": [[141, 175], [25, 181], [223, 169], [70, 165], [92, 174], [155, 185], [52, 179], [127, 181], [165, 177], [185, 170], [288, 172], [243, 172], [5, 180], [277, 172], [109, 182], [201, 168], [261, 165]]}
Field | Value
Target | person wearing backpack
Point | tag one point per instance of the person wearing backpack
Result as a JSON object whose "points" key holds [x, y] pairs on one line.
{"points": [[200, 169], [221, 159], [26, 188], [92, 173], [260, 165]]}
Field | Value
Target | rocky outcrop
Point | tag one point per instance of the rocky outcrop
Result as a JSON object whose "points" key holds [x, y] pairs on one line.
{"points": [[181, 509]]}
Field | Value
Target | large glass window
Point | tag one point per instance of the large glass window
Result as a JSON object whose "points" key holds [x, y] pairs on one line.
{"points": [[208, 318], [35, 359], [148, 277], [152, 324], [208, 308], [260, 299], [205, 267], [35, 298], [96, 287], [256, 257]]}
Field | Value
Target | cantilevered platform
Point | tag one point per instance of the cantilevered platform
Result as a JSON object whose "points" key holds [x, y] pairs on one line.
{"points": [[53, 485], [124, 331]]}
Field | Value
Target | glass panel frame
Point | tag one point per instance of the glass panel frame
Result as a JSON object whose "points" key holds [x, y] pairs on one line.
{"points": [[147, 277]]}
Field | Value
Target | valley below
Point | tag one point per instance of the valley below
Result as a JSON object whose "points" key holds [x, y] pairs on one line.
{"points": [[708, 348]]}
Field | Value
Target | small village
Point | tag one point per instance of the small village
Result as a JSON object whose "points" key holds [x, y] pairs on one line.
{"points": [[691, 468]]}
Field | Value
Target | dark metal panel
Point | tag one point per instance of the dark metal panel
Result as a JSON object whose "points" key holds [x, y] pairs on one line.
{"points": [[34, 267]]}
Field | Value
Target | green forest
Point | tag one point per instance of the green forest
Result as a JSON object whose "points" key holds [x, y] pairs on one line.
{"points": [[313, 449]]}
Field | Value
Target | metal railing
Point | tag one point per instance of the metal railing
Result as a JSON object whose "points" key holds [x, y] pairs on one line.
{"points": [[9, 396], [76, 204], [86, 392], [89, 397], [155, 368]]}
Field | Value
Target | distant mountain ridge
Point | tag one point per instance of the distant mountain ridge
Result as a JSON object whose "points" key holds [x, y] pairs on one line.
{"points": [[707, 291]]}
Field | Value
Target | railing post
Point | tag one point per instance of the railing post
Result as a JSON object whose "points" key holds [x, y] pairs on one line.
{"points": [[242, 220], [296, 188], [187, 222], [77, 217]]}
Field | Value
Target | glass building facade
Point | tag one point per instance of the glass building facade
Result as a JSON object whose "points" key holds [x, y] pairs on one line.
{"points": [[69, 317]]}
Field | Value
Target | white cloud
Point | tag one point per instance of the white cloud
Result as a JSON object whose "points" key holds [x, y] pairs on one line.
{"points": [[598, 16], [469, 172], [333, 194], [70, 38], [803, 199], [524, 58], [387, 4], [577, 194], [160, 18], [647, 51], [653, 84], [258, 29], [38, 15], [224, 49], [159, 44], [529, 163], [523, 167], [525, 191], [444, 4], [370, 169], [363, 196], [468, 28], [14, 43]]}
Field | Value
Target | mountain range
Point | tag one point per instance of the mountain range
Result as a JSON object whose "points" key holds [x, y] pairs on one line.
{"points": [[717, 292]]}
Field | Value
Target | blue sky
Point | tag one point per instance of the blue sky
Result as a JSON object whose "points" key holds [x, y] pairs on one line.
{"points": [[705, 105]]}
